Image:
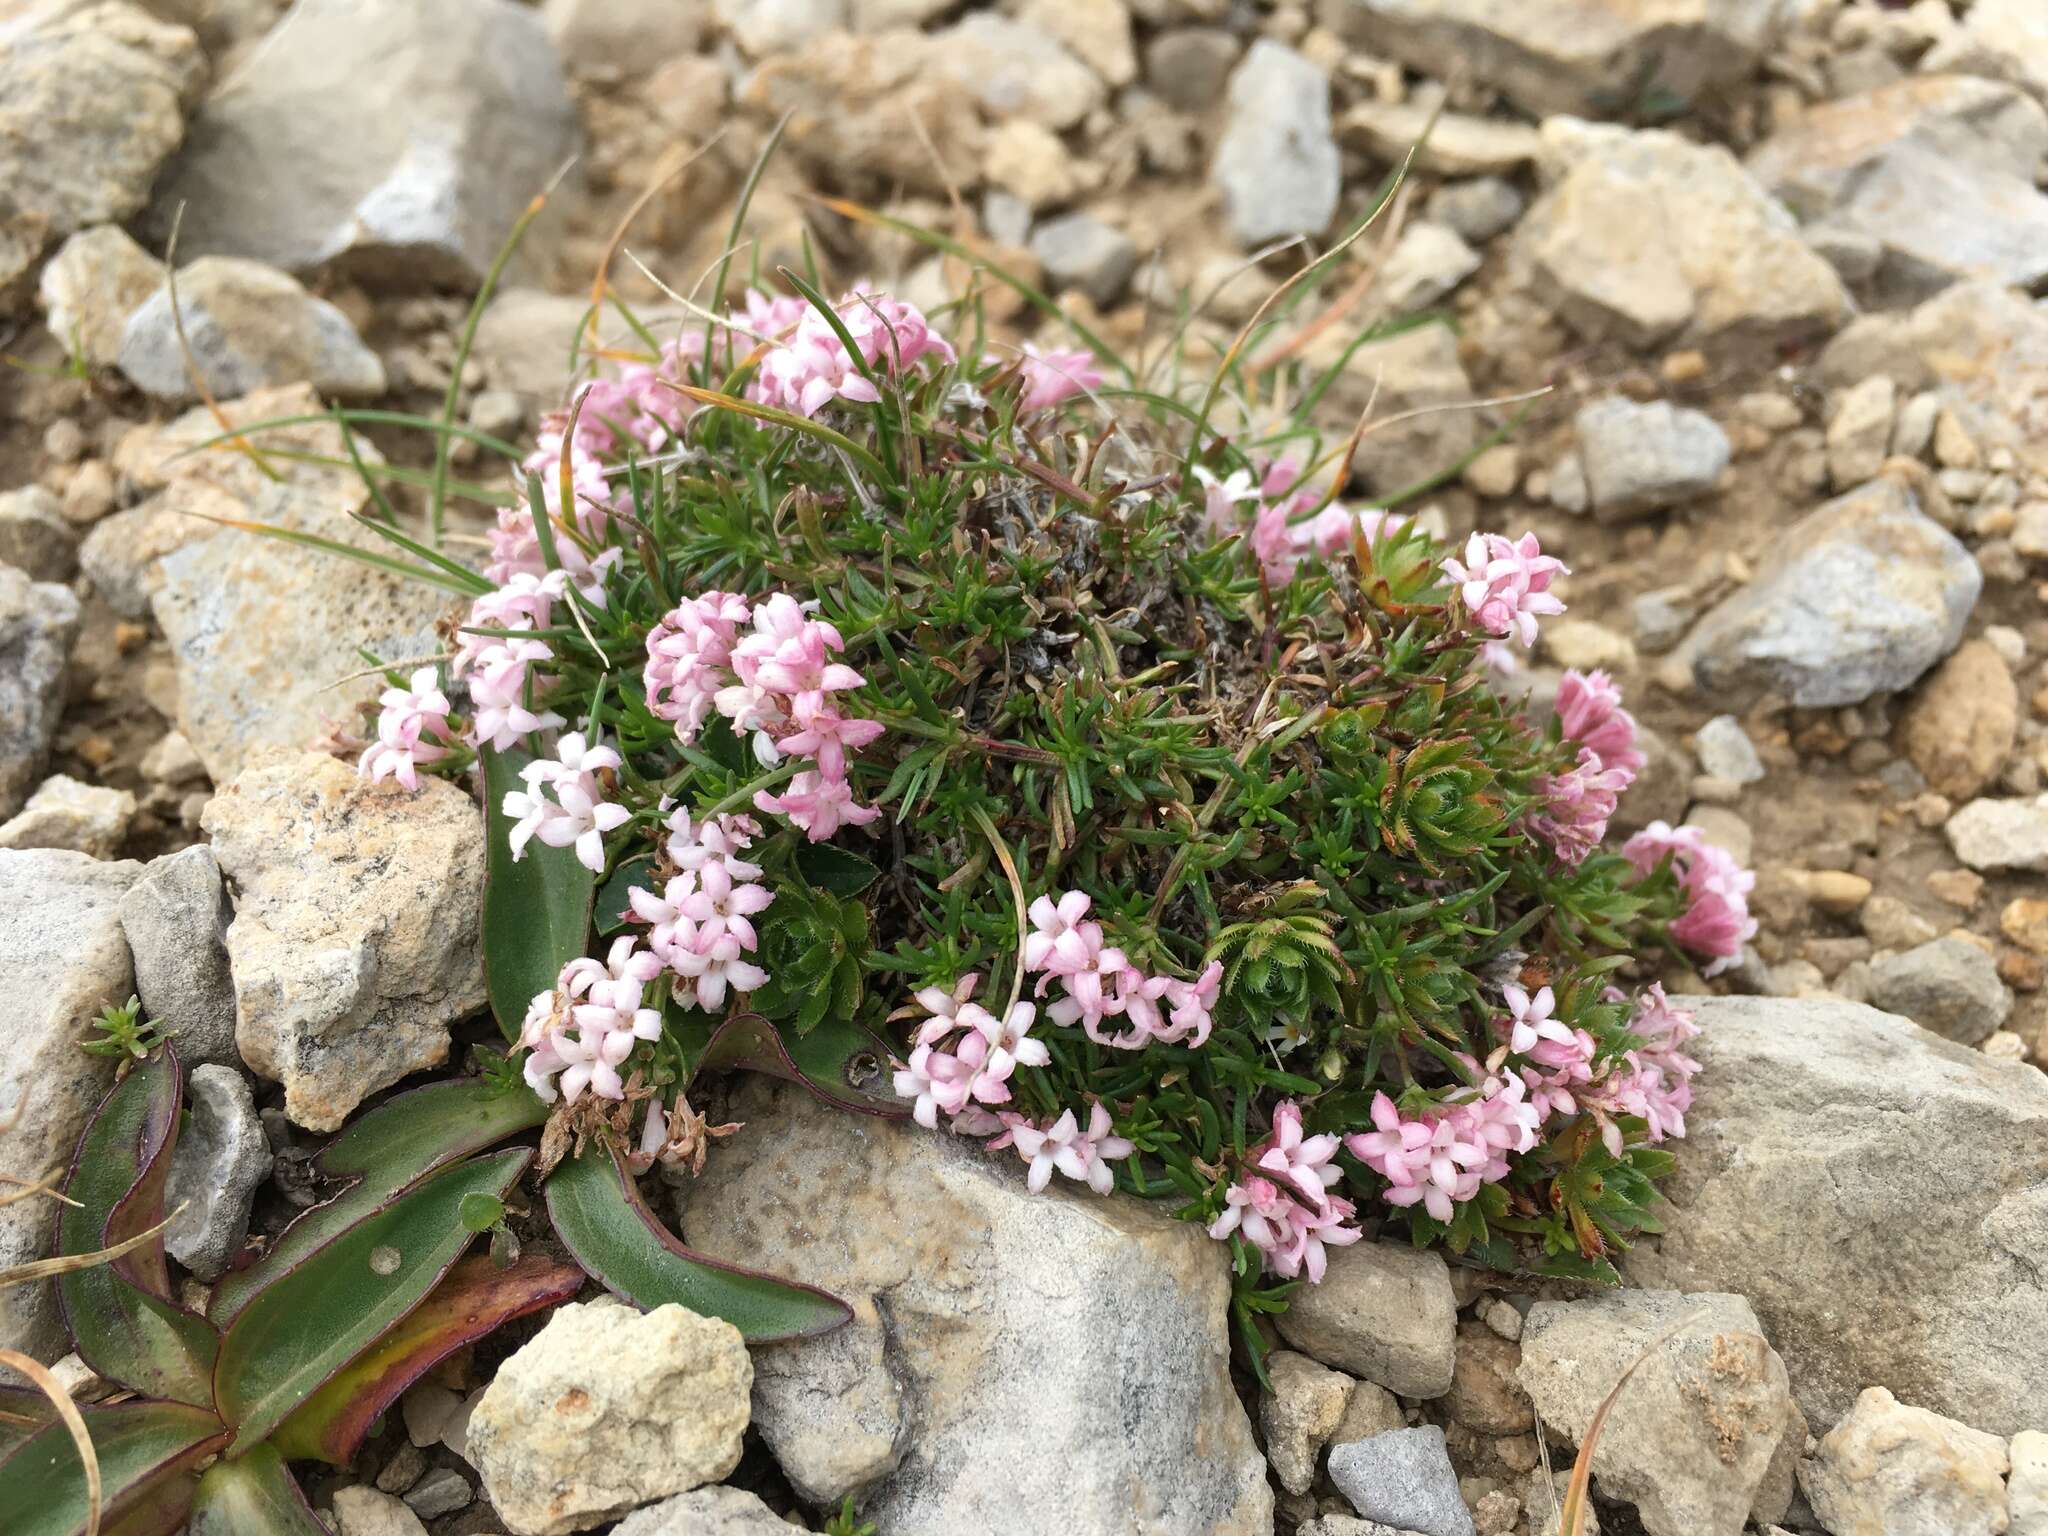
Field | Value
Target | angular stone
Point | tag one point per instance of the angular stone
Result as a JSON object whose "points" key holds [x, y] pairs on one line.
{"points": [[355, 938], [618, 39], [1478, 209], [1861, 596], [1081, 251], [221, 1156], [1401, 374], [89, 288], [1639, 458], [1457, 145], [402, 138], [2001, 39], [34, 536], [1949, 986], [1726, 752], [38, 622], [441, 1492], [247, 327], [606, 1409], [366, 1512], [64, 959], [1961, 727], [1992, 835], [705, 1512], [64, 813], [1384, 1313], [1300, 1414], [1887, 1467], [1484, 1394], [964, 1285], [176, 921], [2026, 1489], [1948, 1308], [1188, 67], [1428, 262], [1277, 164], [1014, 68], [1699, 1425], [1860, 432], [1403, 1478], [1652, 240]]}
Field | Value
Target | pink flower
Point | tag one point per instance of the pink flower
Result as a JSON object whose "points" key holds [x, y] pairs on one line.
{"points": [[1291, 1238], [1062, 940], [588, 1025], [1009, 1042], [818, 805], [687, 653], [1716, 922], [579, 815], [500, 682], [825, 735], [1589, 712], [1577, 806], [525, 601], [1052, 376], [701, 927], [1222, 497], [712, 965], [412, 728], [937, 1080], [1532, 1019], [943, 1008], [1300, 1162], [811, 367], [717, 840], [1506, 586], [1083, 1156], [789, 651], [1440, 1159]]}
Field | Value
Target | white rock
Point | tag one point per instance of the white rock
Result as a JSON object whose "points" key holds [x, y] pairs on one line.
{"points": [[248, 326], [620, 39], [64, 813], [964, 1286], [1403, 1478], [221, 1156], [38, 623], [1457, 145], [355, 938], [1384, 1313], [1891, 1468], [1426, 264], [1993, 835], [1030, 162], [1277, 165], [1097, 32], [1640, 458], [705, 1512], [606, 1409], [1014, 68], [2004, 39], [765, 27], [1725, 751], [64, 959], [2026, 1490], [366, 1512], [1299, 1415], [1860, 432], [176, 921], [89, 288], [404, 135]]}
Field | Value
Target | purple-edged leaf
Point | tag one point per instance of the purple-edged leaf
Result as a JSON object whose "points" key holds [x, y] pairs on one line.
{"points": [[389, 1149], [476, 1297], [250, 1495], [147, 1452], [839, 1061], [23, 1411], [120, 1314], [600, 1217], [306, 1325], [536, 908]]}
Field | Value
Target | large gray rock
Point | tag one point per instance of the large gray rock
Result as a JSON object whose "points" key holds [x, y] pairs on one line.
{"points": [[1640, 458], [248, 326], [1703, 1422], [1650, 239], [1937, 171], [705, 1512], [1948, 985], [1010, 1353], [63, 959], [1277, 164], [1383, 1312], [1590, 57], [92, 99], [402, 138], [355, 942], [1817, 1124], [1861, 596], [38, 623], [221, 1156], [176, 921], [1403, 1478]]}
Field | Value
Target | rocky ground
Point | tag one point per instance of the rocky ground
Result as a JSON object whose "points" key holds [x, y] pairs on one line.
{"points": [[1773, 260]]}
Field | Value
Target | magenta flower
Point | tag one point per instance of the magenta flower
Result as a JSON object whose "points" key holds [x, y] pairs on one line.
{"points": [[1577, 806], [1506, 586], [1716, 922], [1052, 376], [1589, 712]]}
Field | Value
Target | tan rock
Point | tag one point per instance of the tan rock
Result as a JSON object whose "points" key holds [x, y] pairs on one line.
{"points": [[1484, 1393], [1889, 1467], [1962, 725], [1382, 1312], [1300, 1414], [89, 288], [65, 813], [1029, 162], [2025, 922]]}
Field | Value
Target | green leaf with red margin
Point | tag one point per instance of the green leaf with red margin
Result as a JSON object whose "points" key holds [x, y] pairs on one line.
{"points": [[839, 1061], [389, 1149], [147, 1452], [536, 907], [308, 1324], [476, 1298], [121, 1316], [253, 1495], [23, 1411], [600, 1217]]}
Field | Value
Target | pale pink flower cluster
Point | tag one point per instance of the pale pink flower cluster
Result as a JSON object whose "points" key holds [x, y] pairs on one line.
{"points": [[1067, 945], [412, 729], [1557, 1059], [963, 1056], [1656, 1084], [1558, 1070], [1283, 1206], [812, 367], [1506, 586], [579, 815], [498, 670], [1716, 922], [701, 923], [1051, 376], [585, 1028], [1064, 1146], [1579, 803], [1281, 533], [1441, 1157], [515, 547], [688, 654]]}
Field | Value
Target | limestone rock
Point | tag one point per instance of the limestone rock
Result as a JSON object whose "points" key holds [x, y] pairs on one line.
{"points": [[1948, 1308], [221, 1156], [705, 1512], [1700, 1423], [606, 1409], [1384, 1313], [1652, 240], [964, 1286], [402, 138], [1403, 1478], [1726, 752], [1457, 146], [249, 326], [64, 813], [1949, 986], [1017, 69], [1030, 162], [1861, 596], [2027, 1488], [366, 1512], [1427, 263], [1484, 1394], [92, 99], [89, 288], [1639, 458], [1860, 432], [1277, 164], [176, 921], [1992, 835], [2002, 39], [64, 959], [1937, 171], [1081, 251], [355, 938], [38, 622], [1300, 1414], [617, 39], [1887, 1467], [1964, 722], [1403, 373], [35, 538]]}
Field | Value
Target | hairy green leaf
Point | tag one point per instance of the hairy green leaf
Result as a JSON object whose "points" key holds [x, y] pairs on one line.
{"points": [[146, 1452], [536, 908], [249, 1495]]}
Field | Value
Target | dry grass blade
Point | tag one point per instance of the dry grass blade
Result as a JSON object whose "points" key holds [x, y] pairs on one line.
{"points": [[1571, 1519], [29, 1189], [673, 164], [68, 1263], [74, 1421], [198, 379]]}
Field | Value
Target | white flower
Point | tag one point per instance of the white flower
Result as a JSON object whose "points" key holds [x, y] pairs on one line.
{"points": [[579, 815]]}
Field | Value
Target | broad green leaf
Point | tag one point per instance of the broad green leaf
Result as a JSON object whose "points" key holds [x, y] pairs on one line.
{"points": [[615, 896], [252, 1494], [120, 1313], [23, 1411], [310, 1323], [395, 1145], [600, 1217], [536, 910], [838, 870], [146, 1452], [838, 1060], [476, 1297]]}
